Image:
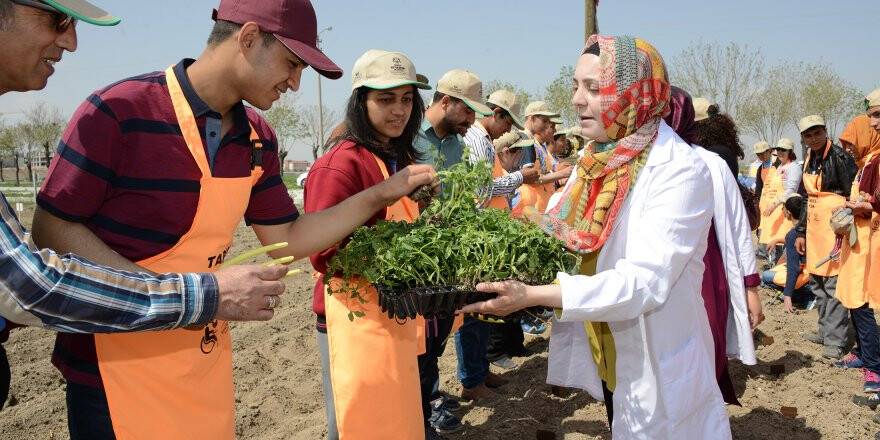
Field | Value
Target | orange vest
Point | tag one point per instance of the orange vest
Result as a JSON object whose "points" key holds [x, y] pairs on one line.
{"points": [[852, 288], [820, 236], [781, 271], [498, 202], [177, 384], [545, 191], [773, 226], [373, 359]]}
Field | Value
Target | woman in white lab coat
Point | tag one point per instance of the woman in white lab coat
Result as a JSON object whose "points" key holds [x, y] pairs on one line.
{"points": [[638, 209]]}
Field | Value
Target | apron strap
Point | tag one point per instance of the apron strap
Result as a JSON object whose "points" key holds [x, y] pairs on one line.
{"points": [[187, 121], [408, 207]]}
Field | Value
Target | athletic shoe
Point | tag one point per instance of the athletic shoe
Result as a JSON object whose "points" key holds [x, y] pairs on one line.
{"points": [[533, 328], [505, 363], [870, 401], [832, 352], [851, 360], [444, 421], [872, 381]]}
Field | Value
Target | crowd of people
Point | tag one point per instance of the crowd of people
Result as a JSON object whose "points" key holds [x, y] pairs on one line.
{"points": [[645, 189]]}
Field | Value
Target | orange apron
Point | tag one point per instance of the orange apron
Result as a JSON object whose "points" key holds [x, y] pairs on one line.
{"points": [[781, 271], [177, 384], [545, 191], [873, 283], [498, 202], [820, 236], [774, 226], [854, 261], [373, 360], [528, 196]]}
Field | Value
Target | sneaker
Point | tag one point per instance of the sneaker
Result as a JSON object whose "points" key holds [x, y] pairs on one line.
{"points": [[446, 402], [547, 314], [505, 363], [814, 338], [851, 360], [832, 352], [876, 417], [870, 401], [534, 328], [872, 382], [444, 421], [477, 393], [432, 434], [811, 304]]}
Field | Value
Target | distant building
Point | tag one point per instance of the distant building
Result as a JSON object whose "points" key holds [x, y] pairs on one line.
{"points": [[296, 166]]}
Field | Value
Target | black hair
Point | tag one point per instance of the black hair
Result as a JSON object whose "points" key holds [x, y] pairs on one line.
{"points": [[359, 129], [223, 30], [593, 49], [794, 205], [719, 130]]}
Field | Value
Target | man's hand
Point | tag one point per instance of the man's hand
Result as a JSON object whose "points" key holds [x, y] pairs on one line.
{"points": [[800, 244], [859, 207], [404, 182], [530, 174], [789, 308], [249, 293]]}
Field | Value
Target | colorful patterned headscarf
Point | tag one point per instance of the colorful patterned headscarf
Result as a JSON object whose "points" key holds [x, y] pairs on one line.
{"points": [[634, 93]]}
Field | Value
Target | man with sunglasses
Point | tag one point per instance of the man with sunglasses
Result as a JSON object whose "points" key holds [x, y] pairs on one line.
{"points": [[67, 292]]}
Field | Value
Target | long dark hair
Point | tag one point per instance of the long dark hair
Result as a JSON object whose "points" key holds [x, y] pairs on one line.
{"points": [[359, 130], [719, 130]]}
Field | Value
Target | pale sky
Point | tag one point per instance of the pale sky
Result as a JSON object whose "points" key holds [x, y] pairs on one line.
{"points": [[523, 42]]}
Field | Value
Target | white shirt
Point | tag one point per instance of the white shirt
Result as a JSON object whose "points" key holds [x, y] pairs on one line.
{"points": [[647, 288]]}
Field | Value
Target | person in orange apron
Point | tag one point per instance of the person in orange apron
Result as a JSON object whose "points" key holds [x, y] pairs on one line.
{"points": [[541, 129], [780, 182], [371, 358], [827, 180], [196, 162]]}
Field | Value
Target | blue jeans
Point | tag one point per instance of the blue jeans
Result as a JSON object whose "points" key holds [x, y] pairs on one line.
{"points": [[868, 347], [793, 262], [436, 332], [471, 343]]}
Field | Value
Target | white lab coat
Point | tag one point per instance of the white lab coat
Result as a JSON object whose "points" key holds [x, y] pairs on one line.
{"points": [[647, 288], [737, 250]]}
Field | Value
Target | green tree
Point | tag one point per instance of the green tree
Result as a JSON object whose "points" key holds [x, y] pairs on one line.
{"points": [[824, 92], [41, 129], [768, 113], [522, 95], [558, 96]]}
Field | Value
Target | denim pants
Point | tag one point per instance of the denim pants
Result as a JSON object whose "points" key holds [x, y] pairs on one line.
{"points": [[88, 415], [868, 339], [471, 343], [436, 332]]}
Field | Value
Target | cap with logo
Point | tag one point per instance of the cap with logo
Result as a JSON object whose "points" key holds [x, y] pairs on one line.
{"points": [[701, 109], [508, 101], [382, 70], [784, 144], [466, 86], [873, 99], [85, 11], [540, 108], [292, 22], [760, 147], [808, 122]]}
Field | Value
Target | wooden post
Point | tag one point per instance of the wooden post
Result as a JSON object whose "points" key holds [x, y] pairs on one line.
{"points": [[591, 23]]}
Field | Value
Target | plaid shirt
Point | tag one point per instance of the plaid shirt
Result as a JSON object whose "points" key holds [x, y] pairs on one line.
{"points": [[68, 293]]}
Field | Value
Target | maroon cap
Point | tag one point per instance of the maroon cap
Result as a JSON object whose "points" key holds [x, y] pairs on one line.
{"points": [[292, 22]]}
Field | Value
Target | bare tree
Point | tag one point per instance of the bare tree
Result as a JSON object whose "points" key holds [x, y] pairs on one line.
{"points": [[312, 125], [591, 21], [42, 127], [824, 92], [9, 138], [769, 112], [285, 118], [558, 96], [727, 75]]}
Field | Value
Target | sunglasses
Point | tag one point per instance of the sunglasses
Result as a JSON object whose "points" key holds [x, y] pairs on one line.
{"points": [[63, 22]]}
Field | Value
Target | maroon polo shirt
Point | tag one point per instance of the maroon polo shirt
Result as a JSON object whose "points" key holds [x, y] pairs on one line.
{"points": [[124, 171], [342, 172]]}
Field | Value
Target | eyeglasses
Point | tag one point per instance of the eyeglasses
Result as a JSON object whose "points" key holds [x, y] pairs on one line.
{"points": [[63, 22]]}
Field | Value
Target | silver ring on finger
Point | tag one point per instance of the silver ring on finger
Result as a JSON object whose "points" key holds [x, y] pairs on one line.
{"points": [[272, 302]]}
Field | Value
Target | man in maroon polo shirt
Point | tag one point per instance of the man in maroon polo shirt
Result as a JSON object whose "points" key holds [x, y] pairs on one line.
{"points": [[124, 186]]}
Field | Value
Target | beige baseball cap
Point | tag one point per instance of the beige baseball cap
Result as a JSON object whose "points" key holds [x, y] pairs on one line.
{"points": [[82, 10], [540, 108], [785, 144], [513, 139], [760, 147], [507, 100], [381, 70], [873, 99], [701, 109], [556, 120], [466, 86], [808, 122]]}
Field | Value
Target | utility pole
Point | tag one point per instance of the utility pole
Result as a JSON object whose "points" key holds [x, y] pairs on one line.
{"points": [[320, 100], [591, 23]]}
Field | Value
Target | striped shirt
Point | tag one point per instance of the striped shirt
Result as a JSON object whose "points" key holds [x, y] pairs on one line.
{"points": [[481, 149], [71, 294]]}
